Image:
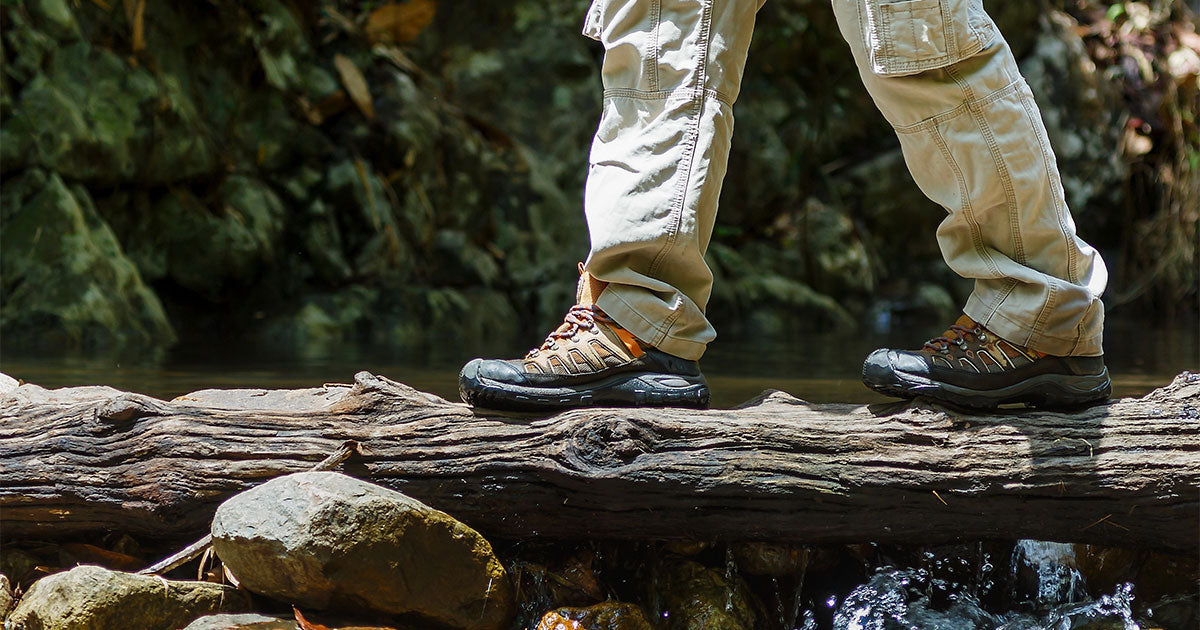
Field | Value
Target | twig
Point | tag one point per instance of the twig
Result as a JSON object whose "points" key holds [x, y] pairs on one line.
{"points": [[1097, 522], [194, 550]]}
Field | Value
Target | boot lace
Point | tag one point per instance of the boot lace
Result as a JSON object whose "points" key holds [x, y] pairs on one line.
{"points": [[942, 343], [581, 317]]}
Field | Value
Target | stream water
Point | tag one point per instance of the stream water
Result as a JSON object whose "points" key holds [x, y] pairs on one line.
{"points": [[817, 368]]}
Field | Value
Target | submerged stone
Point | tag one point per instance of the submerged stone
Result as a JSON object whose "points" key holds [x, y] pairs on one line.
{"points": [[695, 597], [331, 541], [605, 616]]}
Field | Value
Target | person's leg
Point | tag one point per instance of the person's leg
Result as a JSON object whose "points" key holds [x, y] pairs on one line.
{"points": [[975, 143], [672, 70]]}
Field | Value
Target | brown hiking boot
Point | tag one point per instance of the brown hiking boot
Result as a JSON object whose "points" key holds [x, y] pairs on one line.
{"points": [[972, 367], [590, 360]]}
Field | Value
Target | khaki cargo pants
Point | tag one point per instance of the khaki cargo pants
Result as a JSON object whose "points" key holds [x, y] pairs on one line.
{"points": [[941, 74]]}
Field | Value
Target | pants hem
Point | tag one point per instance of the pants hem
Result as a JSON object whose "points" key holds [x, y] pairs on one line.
{"points": [[656, 334]]}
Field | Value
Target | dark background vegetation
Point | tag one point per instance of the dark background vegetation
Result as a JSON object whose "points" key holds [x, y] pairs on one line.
{"points": [[317, 175]]}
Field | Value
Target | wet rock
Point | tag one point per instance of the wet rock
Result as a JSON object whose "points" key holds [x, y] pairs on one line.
{"points": [[1174, 613], [1164, 575], [1103, 568], [606, 616], [771, 559], [329, 540], [687, 547], [16, 563], [554, 621], [93, 598], [249, 621], [696, 597], [67, 284]]}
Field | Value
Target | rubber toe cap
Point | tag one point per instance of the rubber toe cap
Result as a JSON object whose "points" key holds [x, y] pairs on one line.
{"points": [[498, 371], [877, 369]]}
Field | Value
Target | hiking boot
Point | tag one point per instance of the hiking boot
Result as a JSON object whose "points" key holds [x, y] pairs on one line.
{"points": [[590, 360], [971, 367]]}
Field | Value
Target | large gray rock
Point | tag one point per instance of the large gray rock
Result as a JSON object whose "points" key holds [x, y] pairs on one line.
{"points": [[331, 541], [94, 598]]}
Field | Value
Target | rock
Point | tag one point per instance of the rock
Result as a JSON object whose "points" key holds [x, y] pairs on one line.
{"points": [[554, 621], [249, 621], [606, 616], [93, 598], [6, 597], [331, 541], [67, 284], [771, 559], [695, 597]]}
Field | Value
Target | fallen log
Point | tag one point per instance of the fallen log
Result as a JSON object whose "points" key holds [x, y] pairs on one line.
{"points": [[88, 459]]}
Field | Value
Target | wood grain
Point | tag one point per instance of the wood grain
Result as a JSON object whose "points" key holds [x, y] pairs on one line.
{"points": [[89, 459]]}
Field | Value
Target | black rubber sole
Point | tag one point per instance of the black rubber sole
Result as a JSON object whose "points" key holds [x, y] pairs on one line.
{"points": [[1048, 391], [632, 389]]}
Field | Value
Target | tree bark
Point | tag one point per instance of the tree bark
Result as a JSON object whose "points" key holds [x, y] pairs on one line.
{"points": [[88, 459]]}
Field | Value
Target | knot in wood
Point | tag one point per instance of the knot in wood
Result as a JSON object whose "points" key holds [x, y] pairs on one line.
{"points": [[127, 407], [610, 441]]}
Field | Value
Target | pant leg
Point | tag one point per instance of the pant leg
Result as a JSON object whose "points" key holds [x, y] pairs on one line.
{"points": [[672, 70], [975, 143]]}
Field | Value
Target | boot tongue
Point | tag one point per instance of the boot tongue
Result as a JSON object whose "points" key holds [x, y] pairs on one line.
{"points": [[965, 322], [589, 288]]}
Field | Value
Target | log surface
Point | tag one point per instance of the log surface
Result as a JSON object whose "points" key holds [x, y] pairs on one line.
{"points": [[89, 459]]}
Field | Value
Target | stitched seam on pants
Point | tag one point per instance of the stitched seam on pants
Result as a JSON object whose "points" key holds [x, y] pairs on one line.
{"points": [[1010, 193], [1054, 186], [948, 33], [1001, 296], [687, 93], [972, 226], [652, 59], [689, 151], [965, 107], [1039, 324]]}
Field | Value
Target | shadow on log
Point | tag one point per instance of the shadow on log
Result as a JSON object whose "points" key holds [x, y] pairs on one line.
{"points": [[1127, 473]]}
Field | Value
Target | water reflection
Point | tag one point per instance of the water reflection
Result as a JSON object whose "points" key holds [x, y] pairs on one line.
{"points": [[817, 368]]}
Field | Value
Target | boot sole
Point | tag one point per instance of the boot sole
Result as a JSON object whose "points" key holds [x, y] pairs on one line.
{"points": [[634, 389], [1048, 391]]}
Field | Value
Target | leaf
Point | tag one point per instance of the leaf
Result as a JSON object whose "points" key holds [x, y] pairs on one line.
{"points": [[135, 13], [400, 23], [355, 84], [83, 553], [306, 624]]}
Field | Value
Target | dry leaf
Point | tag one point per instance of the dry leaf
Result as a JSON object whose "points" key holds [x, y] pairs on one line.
{"points": [[306, 624], [135, 13], [83, 553], [400, 23], [355, 84]]}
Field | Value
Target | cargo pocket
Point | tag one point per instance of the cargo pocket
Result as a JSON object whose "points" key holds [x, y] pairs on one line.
{"points": [[911, 36]]}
